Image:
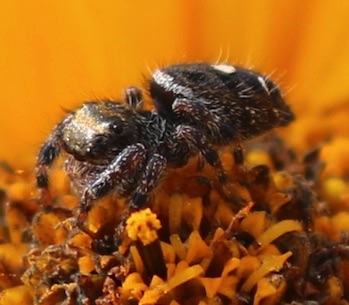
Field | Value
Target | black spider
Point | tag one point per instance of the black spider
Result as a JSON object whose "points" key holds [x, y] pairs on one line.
{"points": [[121, 147]]}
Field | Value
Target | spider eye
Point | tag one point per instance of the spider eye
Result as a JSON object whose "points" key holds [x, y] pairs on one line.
{"points": [[116, 128]]}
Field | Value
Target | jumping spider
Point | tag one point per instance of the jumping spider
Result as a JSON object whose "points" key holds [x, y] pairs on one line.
{"points": [[121, 147]]}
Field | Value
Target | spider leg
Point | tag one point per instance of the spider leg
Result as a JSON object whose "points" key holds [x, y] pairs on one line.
{"points": [[47, 155], [154, 172], [119, 175], [198, 114], [133, 97], [210, 128], [199, 142]]}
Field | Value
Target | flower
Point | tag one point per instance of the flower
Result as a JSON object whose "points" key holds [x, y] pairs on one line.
{"points": [[56, 54]]}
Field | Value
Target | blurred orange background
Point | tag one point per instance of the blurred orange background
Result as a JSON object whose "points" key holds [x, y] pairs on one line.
{"points": [[56, 54]]}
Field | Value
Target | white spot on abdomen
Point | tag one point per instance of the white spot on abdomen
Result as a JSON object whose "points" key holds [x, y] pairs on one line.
{"points": [[228, 69]]}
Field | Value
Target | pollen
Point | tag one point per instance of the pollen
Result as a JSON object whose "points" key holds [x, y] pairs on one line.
{"points": [[143, 226]]}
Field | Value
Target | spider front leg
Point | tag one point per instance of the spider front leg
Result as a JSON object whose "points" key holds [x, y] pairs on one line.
{"points": [[197, 140], [47, 155], [154, 172], [121, 175]]}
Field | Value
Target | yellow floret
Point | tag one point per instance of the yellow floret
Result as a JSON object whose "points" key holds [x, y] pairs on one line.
{"points": [[143, 225]]}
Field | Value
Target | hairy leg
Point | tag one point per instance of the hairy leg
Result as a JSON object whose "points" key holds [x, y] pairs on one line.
{"points": [[47, 155], [198, 114], [197, 140], [154, 172], [133, 97], [120, 176], [217, 132]]}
